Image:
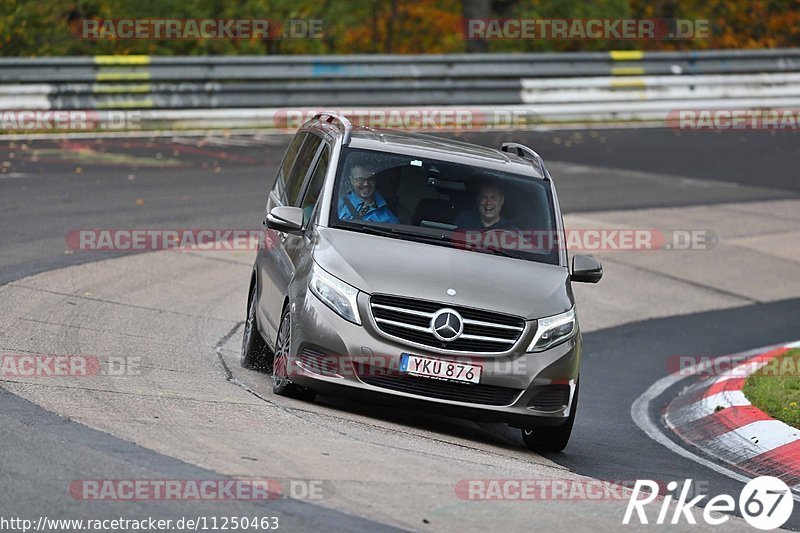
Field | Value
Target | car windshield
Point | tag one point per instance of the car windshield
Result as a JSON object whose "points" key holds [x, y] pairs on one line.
{"points": [[447, 204]]}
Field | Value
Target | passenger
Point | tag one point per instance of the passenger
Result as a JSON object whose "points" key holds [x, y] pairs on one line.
{"points": [[490, 202], [364, 202]]}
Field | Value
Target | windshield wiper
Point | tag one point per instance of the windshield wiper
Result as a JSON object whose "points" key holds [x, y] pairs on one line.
{"points": [[494, 251], [395, 232], [442, 240]]}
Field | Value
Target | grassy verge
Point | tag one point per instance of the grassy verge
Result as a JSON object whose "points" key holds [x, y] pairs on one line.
{"points": [[775, 389]]}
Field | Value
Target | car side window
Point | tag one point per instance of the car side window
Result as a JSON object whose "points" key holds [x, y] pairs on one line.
{"points": [[282, 180], [300, 168], [315, 185]]}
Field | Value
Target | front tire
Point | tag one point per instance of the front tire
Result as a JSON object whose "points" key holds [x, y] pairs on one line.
{"points": [[552, 438], [256, 355], [281, 383]]}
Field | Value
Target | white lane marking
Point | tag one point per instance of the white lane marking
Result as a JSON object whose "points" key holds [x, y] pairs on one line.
{"points": [[13, 175], [28, 89], [640, 412], [746, 442], [706, 406], [9, 101]]}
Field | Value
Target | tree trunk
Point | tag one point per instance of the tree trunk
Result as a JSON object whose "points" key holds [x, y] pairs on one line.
{"points": [[390, 27], [475, 9]]}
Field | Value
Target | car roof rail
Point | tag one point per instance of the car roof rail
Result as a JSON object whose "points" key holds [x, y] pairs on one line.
{"points": [[525, 153], [344, 123]]}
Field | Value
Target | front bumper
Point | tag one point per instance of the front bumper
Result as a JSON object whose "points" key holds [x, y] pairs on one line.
{"points": [[334, 356]]}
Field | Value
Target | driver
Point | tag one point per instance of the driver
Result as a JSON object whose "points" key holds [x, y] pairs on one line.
{"points": [[490, 202], [364, 202]]}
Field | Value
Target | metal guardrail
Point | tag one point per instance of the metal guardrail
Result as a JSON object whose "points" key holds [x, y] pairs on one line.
{"points": [[598, 85], [215, 68]]}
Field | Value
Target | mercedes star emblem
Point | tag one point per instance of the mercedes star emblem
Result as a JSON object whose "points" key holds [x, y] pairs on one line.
{"points": [[447, 325]]}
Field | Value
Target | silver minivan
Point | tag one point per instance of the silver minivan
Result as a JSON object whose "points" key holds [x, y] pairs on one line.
{"points": [[421, 270]]}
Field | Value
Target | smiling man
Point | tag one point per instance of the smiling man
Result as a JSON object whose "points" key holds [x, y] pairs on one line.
{"points": [[490, 202], [364, 202]]}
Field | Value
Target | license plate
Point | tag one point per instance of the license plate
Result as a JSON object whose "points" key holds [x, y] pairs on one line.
{"points": [[438, 369]]}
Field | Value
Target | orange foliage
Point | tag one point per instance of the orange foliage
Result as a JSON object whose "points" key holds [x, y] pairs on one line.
{"points": [[424, 26]]}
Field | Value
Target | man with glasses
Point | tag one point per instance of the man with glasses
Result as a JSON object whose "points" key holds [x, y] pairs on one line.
{"points": [[364, 202]]}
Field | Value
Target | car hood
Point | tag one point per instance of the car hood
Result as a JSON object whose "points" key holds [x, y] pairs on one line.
{"points": [[386, 265]]}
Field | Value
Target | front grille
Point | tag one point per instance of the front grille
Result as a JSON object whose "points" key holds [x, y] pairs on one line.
{"points": [[552, 398], [444, 390], [409, 319]]}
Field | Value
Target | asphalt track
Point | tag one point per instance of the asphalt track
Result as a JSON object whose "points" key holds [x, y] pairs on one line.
{"points": [[50, 187]]}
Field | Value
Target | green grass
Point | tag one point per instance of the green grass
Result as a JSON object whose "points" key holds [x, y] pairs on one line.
{"points": [[775, 389]]}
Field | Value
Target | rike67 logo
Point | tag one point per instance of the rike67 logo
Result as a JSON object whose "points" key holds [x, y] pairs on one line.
{"points": [[765, 503]]}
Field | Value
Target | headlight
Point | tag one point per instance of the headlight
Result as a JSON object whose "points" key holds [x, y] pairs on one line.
{"points": [[553, 330], [336, 294]]}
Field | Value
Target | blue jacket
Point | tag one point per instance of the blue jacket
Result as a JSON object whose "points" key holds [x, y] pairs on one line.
{"points": [[378, 212]]}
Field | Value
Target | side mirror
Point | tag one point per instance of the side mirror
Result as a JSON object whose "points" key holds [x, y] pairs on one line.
{"points": [[285, 218], [586, 269]]}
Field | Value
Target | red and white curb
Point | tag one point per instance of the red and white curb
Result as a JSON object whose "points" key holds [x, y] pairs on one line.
{"points": [[715, 416]]}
